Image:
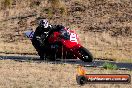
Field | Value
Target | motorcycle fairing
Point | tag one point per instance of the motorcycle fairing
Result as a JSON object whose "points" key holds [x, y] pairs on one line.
{"points": [[69, 44], [29, 34]]}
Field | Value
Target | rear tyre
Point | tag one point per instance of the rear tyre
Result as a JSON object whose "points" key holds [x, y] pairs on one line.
{"points": [[86, 56]]}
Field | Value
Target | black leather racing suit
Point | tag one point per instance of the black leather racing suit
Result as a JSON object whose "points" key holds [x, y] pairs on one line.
{"points": [[40, 41]]}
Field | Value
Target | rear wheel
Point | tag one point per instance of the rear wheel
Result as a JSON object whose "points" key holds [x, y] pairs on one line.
{"points": [[86, 56]]}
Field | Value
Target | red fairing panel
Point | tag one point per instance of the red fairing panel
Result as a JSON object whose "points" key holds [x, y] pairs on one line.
{"points": [[69, 44], [72, 43], [54, 37]]}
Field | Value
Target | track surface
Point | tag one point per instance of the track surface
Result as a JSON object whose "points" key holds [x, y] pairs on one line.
{"points": [[96, 63]]}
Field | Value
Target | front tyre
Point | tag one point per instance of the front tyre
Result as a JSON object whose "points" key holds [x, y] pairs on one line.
{"points": [[85, 55], [69, 55]]}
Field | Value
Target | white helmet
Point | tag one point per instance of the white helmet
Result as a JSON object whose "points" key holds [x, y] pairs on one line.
{"points": [[44, 23]]}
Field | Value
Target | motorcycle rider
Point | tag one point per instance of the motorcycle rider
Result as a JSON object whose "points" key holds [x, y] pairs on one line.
{"points": [[41, 35]]}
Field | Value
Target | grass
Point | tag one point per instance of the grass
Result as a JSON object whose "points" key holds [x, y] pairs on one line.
{"points": [[63, 11], [55, 3], [102, 45], [49, 12], [44, 75], [6, 3], [34, 4], [107, 54], [58, 6], [110, 66], [18, 48]]}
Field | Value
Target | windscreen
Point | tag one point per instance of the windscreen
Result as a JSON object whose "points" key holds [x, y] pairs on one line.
{"points": [[65, 34], [29, 34]]}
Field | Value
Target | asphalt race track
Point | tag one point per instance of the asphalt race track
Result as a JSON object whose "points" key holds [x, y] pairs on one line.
{"points": [[96, 63]]}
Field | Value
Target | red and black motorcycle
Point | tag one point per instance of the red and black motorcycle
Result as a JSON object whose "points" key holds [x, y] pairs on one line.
{"points": [[65, 44]]}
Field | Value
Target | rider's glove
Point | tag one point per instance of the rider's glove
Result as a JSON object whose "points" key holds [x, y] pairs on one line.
{"points": [[40, 40]]}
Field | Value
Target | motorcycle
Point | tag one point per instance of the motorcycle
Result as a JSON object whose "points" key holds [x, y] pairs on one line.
{"points": [[65, 44]]}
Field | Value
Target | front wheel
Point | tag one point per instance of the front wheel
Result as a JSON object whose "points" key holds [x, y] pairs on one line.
{"points": [[85, 55]]}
